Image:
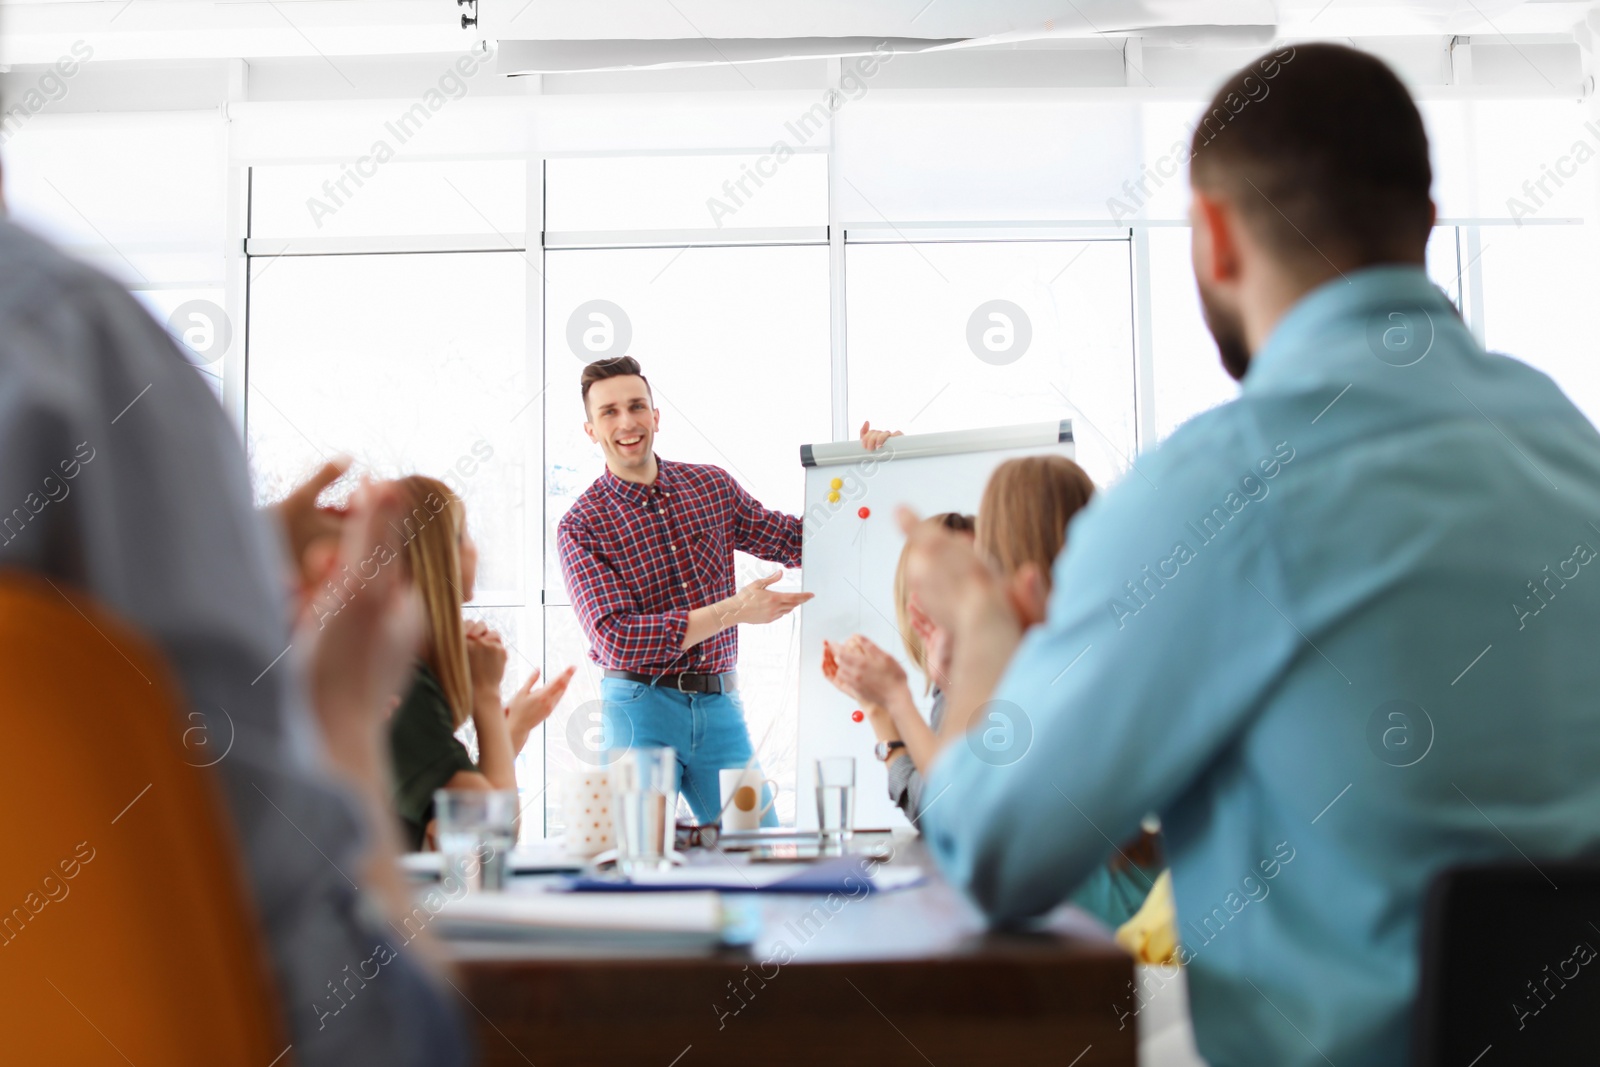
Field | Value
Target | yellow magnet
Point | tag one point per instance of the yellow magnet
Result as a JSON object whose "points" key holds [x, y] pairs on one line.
{"points": [[833, 497], [837, 483]]}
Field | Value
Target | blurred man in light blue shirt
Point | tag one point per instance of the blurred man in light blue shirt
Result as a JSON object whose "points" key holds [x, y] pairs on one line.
{"points": [[1340, 633]]}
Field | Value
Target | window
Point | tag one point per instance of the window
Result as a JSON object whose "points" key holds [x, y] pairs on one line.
{"points": [[373, 356], [958, 335], [1535, 281], [734, 340], [72, 179], [1188, 373], [414, 320], [139, 196], [398, 198], [687, 192], [178, 308]]}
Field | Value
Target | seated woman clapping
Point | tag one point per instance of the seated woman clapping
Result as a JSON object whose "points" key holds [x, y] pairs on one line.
{"points": [[1021, 529], [873, 678], [458, 675]]}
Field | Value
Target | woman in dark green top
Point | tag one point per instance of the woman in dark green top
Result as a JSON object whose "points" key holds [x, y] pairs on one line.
{"points": [[427, 754], [458, 676]]}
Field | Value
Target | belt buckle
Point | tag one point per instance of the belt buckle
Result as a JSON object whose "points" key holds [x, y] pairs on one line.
{"points": [[681, 689]]}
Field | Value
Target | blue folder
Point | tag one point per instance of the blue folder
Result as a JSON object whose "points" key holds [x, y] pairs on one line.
{"points": [[842, 874]]}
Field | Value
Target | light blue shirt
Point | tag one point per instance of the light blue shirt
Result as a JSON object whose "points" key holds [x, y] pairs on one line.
{"points": [[155, 522], [1340, 633]]}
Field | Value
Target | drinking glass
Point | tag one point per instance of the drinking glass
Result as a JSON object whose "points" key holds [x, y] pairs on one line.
{"points": [[644, 784], [477, 829], [836, 800]]}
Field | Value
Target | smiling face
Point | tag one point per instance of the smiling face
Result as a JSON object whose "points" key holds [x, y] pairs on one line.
{"points": [[623, 422]]}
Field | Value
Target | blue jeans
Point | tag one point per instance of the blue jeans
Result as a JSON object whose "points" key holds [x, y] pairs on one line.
{"points": [[706, 730]]}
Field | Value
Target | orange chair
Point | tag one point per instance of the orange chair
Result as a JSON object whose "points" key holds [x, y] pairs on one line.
{"points": [[127, 933]]}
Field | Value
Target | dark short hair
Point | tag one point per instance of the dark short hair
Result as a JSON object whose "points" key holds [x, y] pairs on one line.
{"points": [[1323, 152], [617, 367], [956, 522]]}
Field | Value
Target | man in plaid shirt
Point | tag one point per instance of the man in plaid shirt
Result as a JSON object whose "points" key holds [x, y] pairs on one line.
{"points": [[647, 553]]}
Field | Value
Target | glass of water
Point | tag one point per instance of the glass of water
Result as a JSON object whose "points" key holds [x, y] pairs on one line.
{"points": [[644, 785], [836, 800], [477, 829]]}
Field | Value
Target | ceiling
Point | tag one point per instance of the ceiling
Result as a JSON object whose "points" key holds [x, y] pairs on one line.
{"points": [[620, 34], [998, 21]]}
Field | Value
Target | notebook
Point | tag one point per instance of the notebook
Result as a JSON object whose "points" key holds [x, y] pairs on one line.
{"points": [[846, 875]]}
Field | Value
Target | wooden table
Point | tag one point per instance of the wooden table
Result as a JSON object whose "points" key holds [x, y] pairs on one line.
{"points": [[907, 977]]}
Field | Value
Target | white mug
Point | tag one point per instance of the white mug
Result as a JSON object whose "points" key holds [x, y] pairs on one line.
{"points": [[586, 803], [741, 798]]}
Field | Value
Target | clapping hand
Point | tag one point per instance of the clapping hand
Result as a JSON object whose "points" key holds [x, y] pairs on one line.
{"points": [[311, 529], [529, 706], [944, 572], [863, 671], [936, 643], [486, 661]]}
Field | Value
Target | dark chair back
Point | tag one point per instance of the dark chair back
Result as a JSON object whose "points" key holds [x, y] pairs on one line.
{"points": [[1510, 966]]}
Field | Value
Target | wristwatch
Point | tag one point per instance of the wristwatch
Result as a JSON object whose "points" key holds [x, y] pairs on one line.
{"points": [[884, 749]]}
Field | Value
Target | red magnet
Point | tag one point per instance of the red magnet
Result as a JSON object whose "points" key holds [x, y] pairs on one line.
{"points": [[857, 716], [864, 512]]}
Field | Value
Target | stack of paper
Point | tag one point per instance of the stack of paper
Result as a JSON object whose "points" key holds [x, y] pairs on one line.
{"points": [[692, 918]]}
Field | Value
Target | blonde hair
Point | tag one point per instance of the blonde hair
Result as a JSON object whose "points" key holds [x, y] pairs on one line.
{"points": [[435, 519], [948, 520], [1025, 509]]}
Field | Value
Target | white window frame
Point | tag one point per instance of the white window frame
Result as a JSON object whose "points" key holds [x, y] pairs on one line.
{"points": [[839, 232]]}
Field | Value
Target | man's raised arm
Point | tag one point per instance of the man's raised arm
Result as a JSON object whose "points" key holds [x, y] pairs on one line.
{"points": [[772, 535], [1097, 718]]}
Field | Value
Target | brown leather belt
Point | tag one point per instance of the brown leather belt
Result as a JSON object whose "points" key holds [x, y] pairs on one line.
{"points": [[683, 683]]}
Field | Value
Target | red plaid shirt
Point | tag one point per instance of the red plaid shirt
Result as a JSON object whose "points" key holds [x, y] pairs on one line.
{"points": [[637, 558]]}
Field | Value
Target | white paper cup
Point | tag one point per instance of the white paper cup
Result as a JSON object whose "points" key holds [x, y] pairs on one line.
{"points": [[586, 804]]}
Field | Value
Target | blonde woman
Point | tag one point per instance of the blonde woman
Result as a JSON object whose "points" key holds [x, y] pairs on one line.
{"points": [[871, 676], [1021, 529], [458, 675]]}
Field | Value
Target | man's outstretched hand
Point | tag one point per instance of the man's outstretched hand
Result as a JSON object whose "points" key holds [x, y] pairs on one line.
{"points": [[757, 604]]}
